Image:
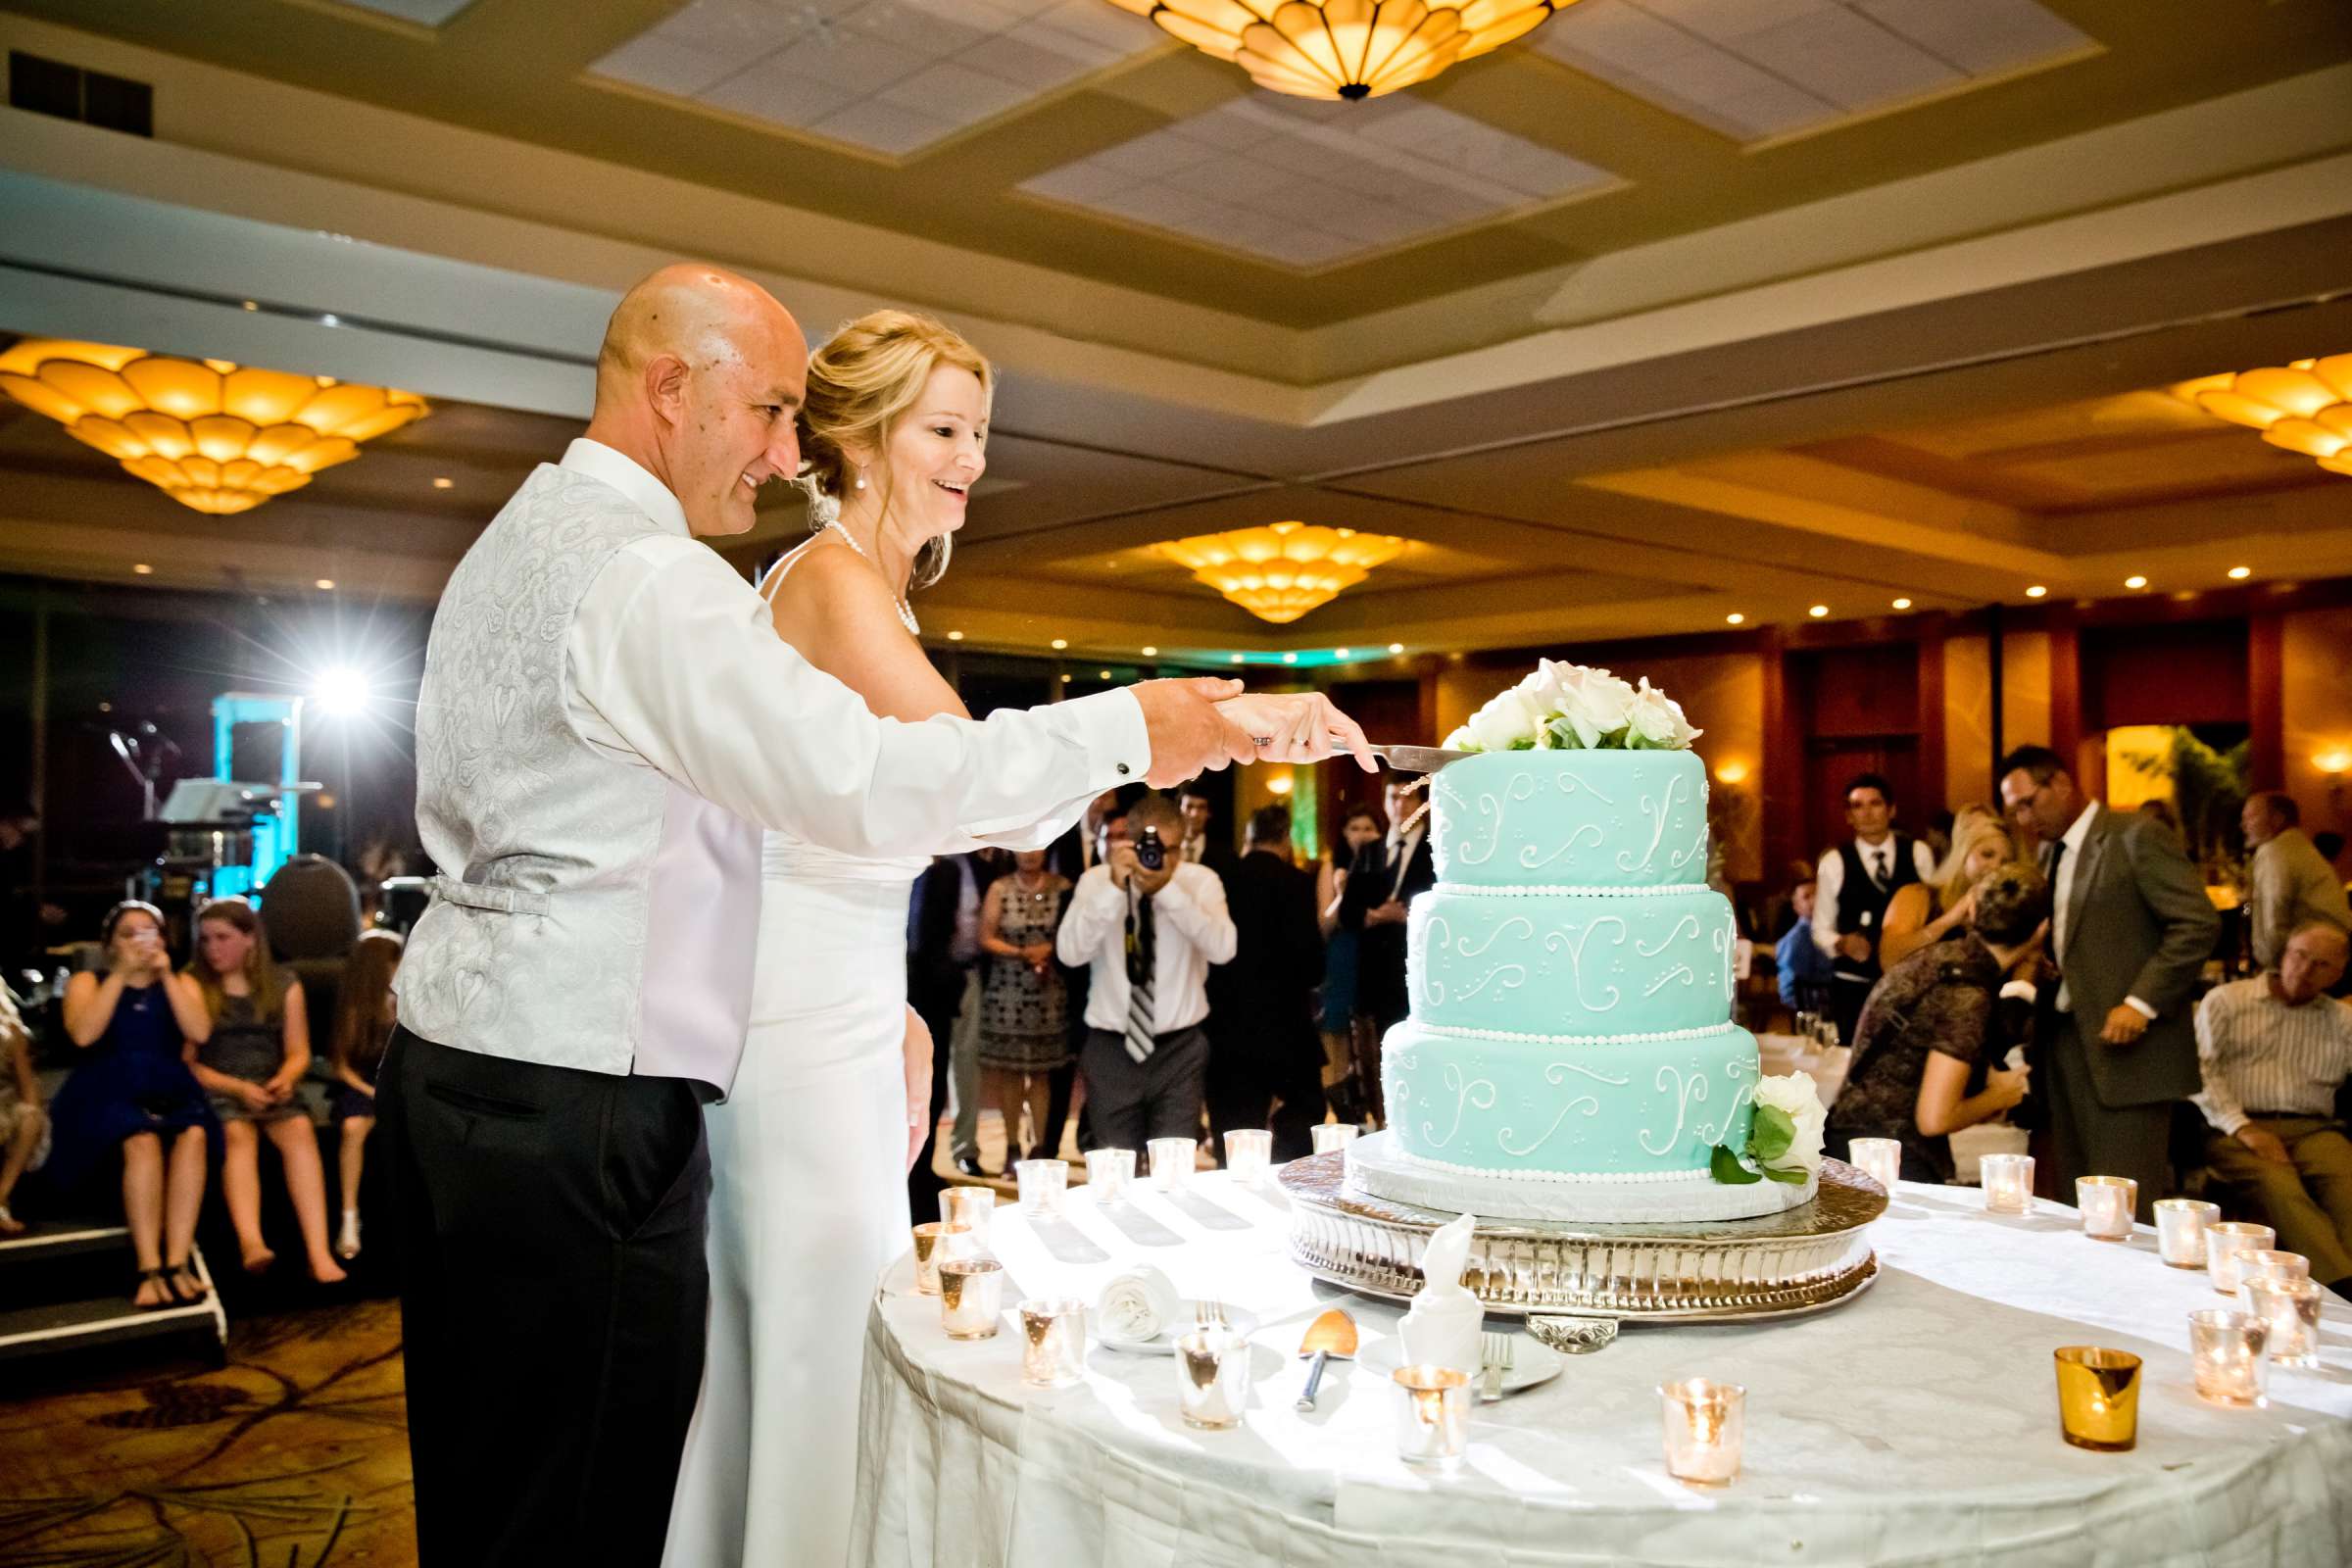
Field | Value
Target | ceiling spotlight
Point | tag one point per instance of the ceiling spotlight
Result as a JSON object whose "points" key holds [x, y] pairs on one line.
{"points": [[1818, 611], [2135, 580], [1106, 674], [1902, 604], [2240, 574], [1065, 680], [144, 569], [1339, 652], [1734, 619], [1395, 648], [1060, 643], [2037, 591], [1239, 659], [1289, 658], [443, 482], [955, 636], [328, 584], [1151, 652], [253, 305]]}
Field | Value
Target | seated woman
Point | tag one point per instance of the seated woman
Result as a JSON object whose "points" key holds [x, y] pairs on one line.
{"points": [[1923, 914], [131, 1092], [362, 1029], [22, 1119], [255, 1049], [1937, 1018]]}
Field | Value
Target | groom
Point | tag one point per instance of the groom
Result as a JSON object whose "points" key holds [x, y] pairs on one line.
{"points": [[606, 722]]}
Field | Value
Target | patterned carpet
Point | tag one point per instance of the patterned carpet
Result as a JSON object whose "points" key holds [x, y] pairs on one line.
{"points": [[294, 1454]]}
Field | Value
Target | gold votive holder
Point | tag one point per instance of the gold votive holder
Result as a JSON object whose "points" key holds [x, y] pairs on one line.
{"points": [[1042, 1184], [2226, 1348], [934, 1244], [971, 1292], [2269, 1263], [2098, 1398], [2223, 1245], [1248, 1154], [1879, 1159], [2107, 1203], [971, 1207], [1052, 1340], [2291, 1310], [1109, 1172], [2180, 1230], [1172, 1161], [1432, 1414], [1331, 1135], [2008, 1183], [1212, 1378], [1706, 1425]]}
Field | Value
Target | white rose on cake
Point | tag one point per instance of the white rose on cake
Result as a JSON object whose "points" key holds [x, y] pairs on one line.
{"points": [[1509, 723], [1794, 1095], [1593, 707], [1654, 721]]}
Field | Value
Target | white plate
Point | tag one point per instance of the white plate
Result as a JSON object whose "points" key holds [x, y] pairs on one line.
{"points": [[1241, 1322], [1531, 1362]]}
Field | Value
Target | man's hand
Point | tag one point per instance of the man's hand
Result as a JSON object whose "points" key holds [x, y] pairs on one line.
{"points": [[1148, 882], [1391, 912], [2264, 1144], [917, 1050], [2125, 1024], [1188, 734], [1122, 862], [1299, 727], [2005, 1087], [1855, 945]]}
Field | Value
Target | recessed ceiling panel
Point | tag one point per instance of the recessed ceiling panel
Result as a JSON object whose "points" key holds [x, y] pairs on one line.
{"points": [[432, 13], [1306, 183], [892, 75]]}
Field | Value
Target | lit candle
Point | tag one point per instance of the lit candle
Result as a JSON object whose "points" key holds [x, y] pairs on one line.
{"points": [[1879, 1159], [1053, 1342], [1172, 1161], [1109, 1172], [2291, 1310], [1705, 1422], [2098, 1398], [2008, 1183], [2180, 1230], [970, 1291], [2267, 1263], [1331, 1135], [2223, 1244], [970, 1207], [1042, 1184], [934, 1245], [2106, 1202], [1249, 1154], [1212, 1378], [2227, 1347], [1433, 1413]]}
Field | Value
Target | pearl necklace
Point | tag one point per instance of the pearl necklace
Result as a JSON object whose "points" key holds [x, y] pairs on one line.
{"points": [[1036, 890], [906, 616]]}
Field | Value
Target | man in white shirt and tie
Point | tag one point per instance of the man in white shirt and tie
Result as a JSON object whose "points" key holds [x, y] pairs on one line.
{"points": [[1851, 889]]}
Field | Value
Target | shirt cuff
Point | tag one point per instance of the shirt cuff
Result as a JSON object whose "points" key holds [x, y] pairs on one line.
{"points": [[1118, 747], [2023, 990], [2231, 1122], [2140, 1007]]}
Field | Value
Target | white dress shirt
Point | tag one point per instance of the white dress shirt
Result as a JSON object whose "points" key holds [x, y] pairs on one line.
{"points": [[1829, 876], [1190, 930], [2261, 1056]]}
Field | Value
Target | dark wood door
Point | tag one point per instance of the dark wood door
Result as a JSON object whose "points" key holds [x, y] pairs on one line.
{"points": [[1831, 762]]}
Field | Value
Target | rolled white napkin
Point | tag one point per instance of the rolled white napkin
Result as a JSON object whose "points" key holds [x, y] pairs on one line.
{"points": [[1442, 1326], [1137, 1306]]}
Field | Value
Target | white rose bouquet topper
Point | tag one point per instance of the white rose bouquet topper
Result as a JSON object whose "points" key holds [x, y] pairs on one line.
{"points": [[1784, 1142], [1564, 706]]}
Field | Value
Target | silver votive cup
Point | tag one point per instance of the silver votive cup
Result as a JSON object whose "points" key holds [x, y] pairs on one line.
{"points": [[1042, 1184], [1879, 1159], [971, 1207], [2226, 1348], [971, 1292], [2290, 1309], [1212, 1376], [2180, 1230], [2008, 1183], [2269, 1263], [2107, 1203], [934, 1244], [1053, 1342], [1248, 1154], [1433, 1413], [1331, 1135], [1706, 1425], [1109, 1172], [2223, 1244], [1172, 1161]]}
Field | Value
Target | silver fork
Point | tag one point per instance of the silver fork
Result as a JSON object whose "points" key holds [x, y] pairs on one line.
{"points": [[1208, 1314], [1494, 1360]]}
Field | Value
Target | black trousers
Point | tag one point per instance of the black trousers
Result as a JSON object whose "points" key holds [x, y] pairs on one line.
{"points": [[937, 1005], [552, 1302], [1266, 1078], [1131, 1102]]}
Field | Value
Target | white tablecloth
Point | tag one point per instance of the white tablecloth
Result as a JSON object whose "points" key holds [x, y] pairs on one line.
{"points": [[1916, 1425]]}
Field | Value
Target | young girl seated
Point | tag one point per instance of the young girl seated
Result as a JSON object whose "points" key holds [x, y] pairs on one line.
{"points": [[22, 1122], [363, 1028]]}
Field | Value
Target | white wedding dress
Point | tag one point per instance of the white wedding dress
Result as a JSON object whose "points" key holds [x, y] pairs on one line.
{"points": [[807, 1204]]}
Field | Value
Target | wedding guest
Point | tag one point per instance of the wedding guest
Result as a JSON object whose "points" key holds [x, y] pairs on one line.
{"points": [[131, 1092], [1362, 825], [2274, 1053], [23, 1122], [2131, 929], [1202, 845], [254, 1053], [1851, 889], [1022, 1036], [1072, 856], [943, 946], [1942, 1016], [1387, 875], [1150, 933], [1263, 1057], [2294, 885], [1802, 968], [1924, 913], [364, 1022], [974, 872]]}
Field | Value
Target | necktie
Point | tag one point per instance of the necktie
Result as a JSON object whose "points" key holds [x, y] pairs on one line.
{"points": [[1141, 959], [1878, 865]]}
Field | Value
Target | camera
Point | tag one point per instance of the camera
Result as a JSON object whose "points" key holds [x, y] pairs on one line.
{"points": [[1150, 853]]}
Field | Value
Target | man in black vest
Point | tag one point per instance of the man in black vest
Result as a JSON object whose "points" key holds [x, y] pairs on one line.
{"points": [[1853, 889]]}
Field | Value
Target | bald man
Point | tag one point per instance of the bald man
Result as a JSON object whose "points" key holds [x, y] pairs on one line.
{"points": [[607, 721]]}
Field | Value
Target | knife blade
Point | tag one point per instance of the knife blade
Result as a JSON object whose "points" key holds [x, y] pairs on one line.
{"points": [[1329, 1336], [1418, 758]]}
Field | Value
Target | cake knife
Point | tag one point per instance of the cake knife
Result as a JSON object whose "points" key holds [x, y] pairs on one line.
{"points": [[1331, 1335], [1418, 759]]}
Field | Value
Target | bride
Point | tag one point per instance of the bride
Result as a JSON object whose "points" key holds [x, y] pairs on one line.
{"points": [[808, 1154]]}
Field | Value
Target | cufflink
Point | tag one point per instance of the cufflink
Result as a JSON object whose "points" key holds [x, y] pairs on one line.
{"points": [[1123, 770]]}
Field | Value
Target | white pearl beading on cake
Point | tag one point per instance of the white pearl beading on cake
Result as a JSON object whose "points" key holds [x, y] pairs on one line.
{"points": [[1546, 890], [1563, 1177], [1457, 1032]]}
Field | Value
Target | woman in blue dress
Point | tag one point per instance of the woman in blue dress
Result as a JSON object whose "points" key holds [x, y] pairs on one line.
{"points": [[132, 1093], [1361, 826]]}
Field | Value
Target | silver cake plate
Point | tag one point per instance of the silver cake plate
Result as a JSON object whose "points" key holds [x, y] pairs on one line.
{"points": [[1805, 1260]]}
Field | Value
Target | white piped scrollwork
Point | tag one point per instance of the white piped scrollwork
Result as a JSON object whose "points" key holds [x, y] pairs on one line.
{"points": [[1465, 1094], [1658, 811], [1561, 941], [1555, 1075], [1493, 809], [1681, 971], [1689, 1089], [1687, 924], [1531, 861]]}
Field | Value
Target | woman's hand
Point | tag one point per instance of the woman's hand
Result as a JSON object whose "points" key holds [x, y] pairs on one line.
{"points": [[917, 1051], [257, 1097], [2005, 1087]]}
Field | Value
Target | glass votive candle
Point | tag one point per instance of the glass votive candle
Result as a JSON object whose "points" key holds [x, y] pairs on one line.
{"points": [[970, 1207], [1879, 1159], [1331, 1135], [2008, 1183], [1249, 1154], [934, 1244], [2180, 1224], [2098, 1398], [971, 1292], [1705, 1423], [2223, 1244], [2269, 1263], [2106, 1202], [1433, 1413], [1172, 1160], [1053, 1342], [1042, 1184], [1212, 1376], [1109, 1172], [2226, 1351], [2291, 1310]]}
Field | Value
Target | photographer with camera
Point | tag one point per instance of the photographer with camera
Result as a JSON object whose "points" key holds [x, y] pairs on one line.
{"points": [[1147, 926]]}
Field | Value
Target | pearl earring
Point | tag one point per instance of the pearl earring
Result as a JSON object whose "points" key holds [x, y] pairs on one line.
{"points": [[861, 482]]}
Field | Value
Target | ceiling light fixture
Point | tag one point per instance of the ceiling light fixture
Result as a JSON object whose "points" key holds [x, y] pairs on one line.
{"points": [[955, 636], [2240, 574], [1151, 652], [443, 483], [1060, 643], [326, 584], [212, 434], [1240, 658], [1343, 48], [2304, 407], [2037, 591], [1340, 653], [1902, 604], [1281, 571], [1289, 658], [1818, 611], [1395, 648], [144, 569], [1735, 618], [2135, 581]]}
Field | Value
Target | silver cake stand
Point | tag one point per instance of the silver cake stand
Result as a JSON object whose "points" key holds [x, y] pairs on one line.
{"points": [[1807, 1259]]}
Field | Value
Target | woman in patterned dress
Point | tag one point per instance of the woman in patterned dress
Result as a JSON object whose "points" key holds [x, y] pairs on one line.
{"points": [[1023, 1030]]}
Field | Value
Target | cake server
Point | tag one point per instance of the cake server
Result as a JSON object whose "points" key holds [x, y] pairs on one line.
{"points": [[1418, 758], [1332, 1334]]}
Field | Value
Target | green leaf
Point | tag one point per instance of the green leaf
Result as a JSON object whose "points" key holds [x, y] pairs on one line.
{"points": [[1771, 1136], [1726, 1167], [1794, 1175]]}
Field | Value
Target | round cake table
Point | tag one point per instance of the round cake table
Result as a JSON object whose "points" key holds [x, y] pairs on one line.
{"points": [[1917, 1425]]}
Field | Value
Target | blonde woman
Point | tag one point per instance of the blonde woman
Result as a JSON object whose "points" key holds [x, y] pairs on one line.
{"points": [[1924, 913]]}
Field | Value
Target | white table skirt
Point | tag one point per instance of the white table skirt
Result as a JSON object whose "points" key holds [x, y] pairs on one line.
{"points": [[1917, 1425]]}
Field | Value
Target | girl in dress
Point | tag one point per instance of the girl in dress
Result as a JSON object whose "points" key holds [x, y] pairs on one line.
{"points": [[24, 1125], [1024, 1033], [131, 1092], [1362, 827], [362, 1029], [253, 1053]]}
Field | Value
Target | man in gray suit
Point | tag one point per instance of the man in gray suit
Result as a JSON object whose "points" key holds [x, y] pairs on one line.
{"points": [[2131, 929]]}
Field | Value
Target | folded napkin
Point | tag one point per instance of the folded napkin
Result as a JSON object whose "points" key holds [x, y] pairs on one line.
{"points": [[1442, 1326], [1137, 1306]]}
